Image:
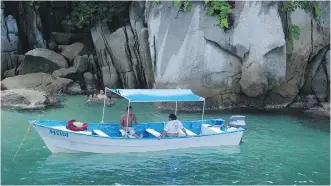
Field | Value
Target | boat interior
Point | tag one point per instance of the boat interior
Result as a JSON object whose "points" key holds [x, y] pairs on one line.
{"points": [[149, 130]]}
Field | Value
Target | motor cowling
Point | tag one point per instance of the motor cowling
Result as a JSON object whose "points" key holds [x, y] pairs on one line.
{"points": [[237, 121]]}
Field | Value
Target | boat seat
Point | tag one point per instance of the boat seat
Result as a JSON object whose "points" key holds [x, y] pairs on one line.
{"points": [[153, 132], [100, 133], [209, 129], [123, 134], [190, 133]]}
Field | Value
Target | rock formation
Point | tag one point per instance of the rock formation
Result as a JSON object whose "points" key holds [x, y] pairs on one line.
{"points": [[9, 42], [49, 84], [41, 60], [159, 46], [24, 99]]}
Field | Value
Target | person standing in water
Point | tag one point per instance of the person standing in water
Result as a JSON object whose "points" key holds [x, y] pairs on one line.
{"points": [[123, 122]]}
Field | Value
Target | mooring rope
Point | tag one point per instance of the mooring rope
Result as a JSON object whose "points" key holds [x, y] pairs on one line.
{"points": [[26, 134]]}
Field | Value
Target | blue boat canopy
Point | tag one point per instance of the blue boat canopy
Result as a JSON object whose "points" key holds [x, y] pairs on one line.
{"points": [[157, 95]]}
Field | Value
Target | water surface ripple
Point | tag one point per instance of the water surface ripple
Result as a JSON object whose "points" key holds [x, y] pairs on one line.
{"points": [[280, 147]]}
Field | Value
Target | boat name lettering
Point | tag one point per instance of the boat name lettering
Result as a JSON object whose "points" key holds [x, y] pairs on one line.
{"points": [[58, 133]]}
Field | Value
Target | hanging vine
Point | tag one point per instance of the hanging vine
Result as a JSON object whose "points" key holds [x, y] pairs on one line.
{"points": [[290, 6]]}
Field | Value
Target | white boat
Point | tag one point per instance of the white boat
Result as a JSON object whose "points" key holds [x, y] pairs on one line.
{"points": [[107, 138]]}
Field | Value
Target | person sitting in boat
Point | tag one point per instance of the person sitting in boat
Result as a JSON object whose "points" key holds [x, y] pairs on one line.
{"points": [[101, 95], [128, 127], [172, 127]]}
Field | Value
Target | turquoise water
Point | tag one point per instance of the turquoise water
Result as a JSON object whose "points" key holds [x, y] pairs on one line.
{"points": [[280, 147]]}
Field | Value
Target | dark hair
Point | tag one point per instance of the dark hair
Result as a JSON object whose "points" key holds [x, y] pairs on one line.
{"points": [[129, 108], [172, 116]]}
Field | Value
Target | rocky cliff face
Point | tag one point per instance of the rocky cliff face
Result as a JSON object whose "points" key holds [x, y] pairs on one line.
{"points": [[192, 52], [245, 66], [161, 47]]}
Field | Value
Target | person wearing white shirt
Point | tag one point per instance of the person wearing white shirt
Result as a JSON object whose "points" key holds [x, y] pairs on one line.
{"points": [[172, 127]]}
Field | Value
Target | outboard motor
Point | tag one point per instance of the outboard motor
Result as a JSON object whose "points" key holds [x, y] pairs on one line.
{"points": [[237, 121]]}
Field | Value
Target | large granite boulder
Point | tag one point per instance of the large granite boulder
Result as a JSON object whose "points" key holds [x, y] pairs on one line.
{"points": [[144, 66], [24, 99], [316, 77], [76, 71], [100, 36], [189, 51], [302, 54], [41, 60], [51, 85], [123, 56]]}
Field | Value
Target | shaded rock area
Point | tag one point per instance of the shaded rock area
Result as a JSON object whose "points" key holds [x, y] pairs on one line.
{"points": [[9, 42], [74, 89], [31, 25]]}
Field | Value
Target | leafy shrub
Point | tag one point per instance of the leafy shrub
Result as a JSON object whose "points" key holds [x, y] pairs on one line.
{"points": [[308, 6], [183, 5], [34, 4], [295, 32], [290, 6], [221, 9], [87, 13]]}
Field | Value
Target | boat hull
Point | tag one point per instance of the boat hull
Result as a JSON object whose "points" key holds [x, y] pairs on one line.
{"points": [[58, 141]]}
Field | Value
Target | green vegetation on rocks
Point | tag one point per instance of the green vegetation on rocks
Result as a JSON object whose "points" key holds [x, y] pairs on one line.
{"points": [[290, 6], [184, 5], [87, 13], [34, 4], [221, 9]]}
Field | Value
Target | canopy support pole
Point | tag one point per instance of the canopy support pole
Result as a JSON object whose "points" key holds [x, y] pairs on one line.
{"points": [[203, 109], [127, 120], [104, 105], [176, 109]]}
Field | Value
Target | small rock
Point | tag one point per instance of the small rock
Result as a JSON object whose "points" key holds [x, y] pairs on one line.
{"points": [[89, 81], [69, 73], [20, 59], [74, 89], [10, 73], [52, 46], [61, 47], [73, 50], [81, 63]]}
